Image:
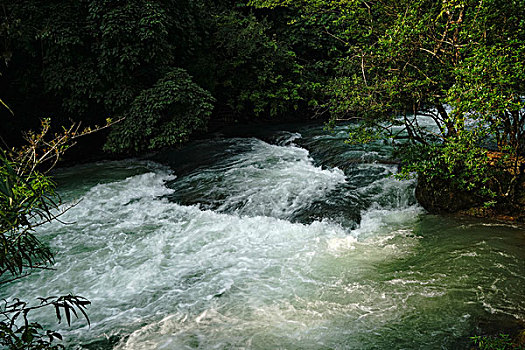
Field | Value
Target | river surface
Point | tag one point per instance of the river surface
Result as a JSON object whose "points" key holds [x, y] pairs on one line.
{"points": [[281, 239]]}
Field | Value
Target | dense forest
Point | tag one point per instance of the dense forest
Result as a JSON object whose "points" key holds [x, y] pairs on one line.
{"points": [[154, 74], [166, 66]]}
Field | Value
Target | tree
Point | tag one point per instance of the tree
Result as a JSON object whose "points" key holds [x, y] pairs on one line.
{"points": [[257, 72], [457, 62], [164, 115], [87, 60], [90, 60], [27, 201]]}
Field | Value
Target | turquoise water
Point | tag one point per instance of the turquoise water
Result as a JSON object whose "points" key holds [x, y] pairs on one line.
{"points": [[277, 240]]}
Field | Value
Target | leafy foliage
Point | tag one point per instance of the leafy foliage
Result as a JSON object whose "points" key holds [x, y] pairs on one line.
{"points": [[23, 201], [164, 64], [90, 60], [31, 335], [28, 200], [460, 162], [499, 342], [163, 115], [258, 72], [458, 62]]}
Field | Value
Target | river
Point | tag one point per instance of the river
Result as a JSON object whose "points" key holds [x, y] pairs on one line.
{"points": [[286, 238]]}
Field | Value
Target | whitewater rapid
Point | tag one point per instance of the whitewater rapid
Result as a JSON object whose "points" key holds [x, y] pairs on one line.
{"points": [[261, 247]]}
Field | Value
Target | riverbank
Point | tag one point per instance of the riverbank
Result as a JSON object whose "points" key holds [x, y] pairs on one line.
{"points": [[89, 148], [440, 198]]}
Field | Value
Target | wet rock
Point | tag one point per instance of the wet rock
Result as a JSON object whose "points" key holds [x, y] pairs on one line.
{"points": [[439, 197], [519, 339]]}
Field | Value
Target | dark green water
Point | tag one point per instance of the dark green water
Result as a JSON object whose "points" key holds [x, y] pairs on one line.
{"points": [[283, 240]]}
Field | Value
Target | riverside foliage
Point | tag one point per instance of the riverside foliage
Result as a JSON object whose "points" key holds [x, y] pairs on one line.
{"points": [[460, 63], [28, 200], [163, 65]]}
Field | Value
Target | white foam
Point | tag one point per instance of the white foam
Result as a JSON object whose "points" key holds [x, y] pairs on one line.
{"points": [[269, 180], [136, 255], [174, 276]]}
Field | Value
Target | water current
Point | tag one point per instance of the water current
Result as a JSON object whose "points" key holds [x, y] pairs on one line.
{"points": [[281, 239]]}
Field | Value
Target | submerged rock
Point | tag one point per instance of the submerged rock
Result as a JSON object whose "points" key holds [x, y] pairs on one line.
{"points": [[439, 197]]}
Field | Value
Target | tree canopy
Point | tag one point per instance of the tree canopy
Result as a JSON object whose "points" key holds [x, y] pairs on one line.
{"points": [[162, 65]]}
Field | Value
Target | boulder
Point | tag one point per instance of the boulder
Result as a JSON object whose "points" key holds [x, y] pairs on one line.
{"points": [[437, 196]]}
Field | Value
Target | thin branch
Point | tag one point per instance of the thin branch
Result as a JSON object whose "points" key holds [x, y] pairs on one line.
{"points": [[335, 36], [433, 54], [14, 278], [363, 67]]}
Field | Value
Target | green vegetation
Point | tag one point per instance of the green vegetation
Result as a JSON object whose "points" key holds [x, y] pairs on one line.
{"points": [[499, 342], [162, 65], [162, 115], [28, 200], [169, 68], [459, 63]]}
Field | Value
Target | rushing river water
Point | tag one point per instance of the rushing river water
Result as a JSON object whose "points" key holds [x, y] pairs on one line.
{"points": [[283, 240]]}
